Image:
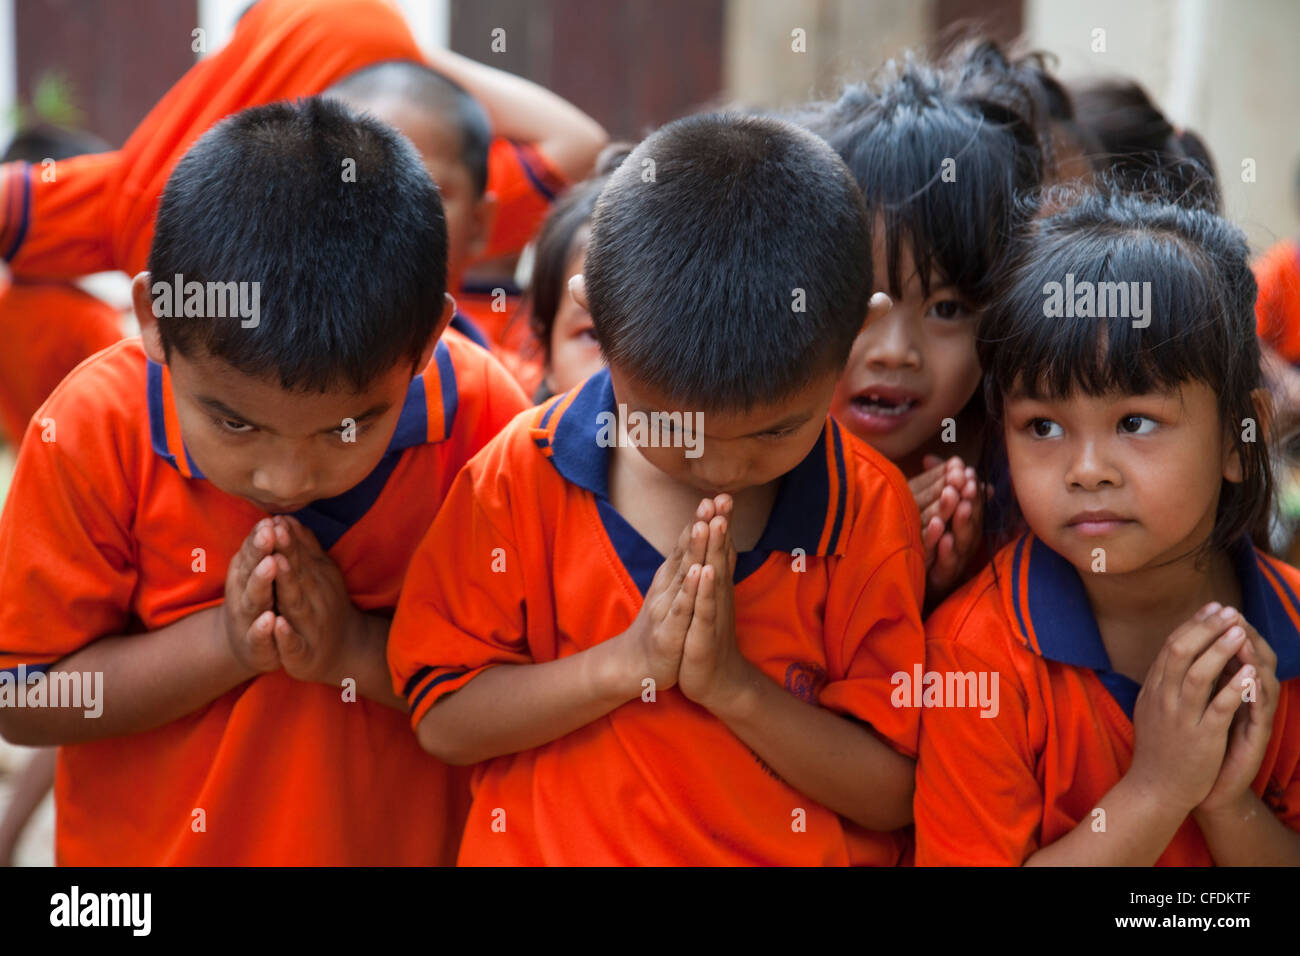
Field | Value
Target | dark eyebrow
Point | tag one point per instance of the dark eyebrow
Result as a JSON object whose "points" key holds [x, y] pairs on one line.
{"points": [[221, 408]]}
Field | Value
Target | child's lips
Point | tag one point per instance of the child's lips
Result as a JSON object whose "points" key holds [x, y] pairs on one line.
{"points": [[882, 409], [1096, 523]]}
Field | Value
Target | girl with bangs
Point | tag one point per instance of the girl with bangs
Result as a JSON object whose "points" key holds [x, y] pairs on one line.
{"points": [[1142, 651], [942, 154]]}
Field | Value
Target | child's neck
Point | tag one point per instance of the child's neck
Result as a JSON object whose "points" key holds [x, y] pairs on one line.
{"points": [[659, 507], [1136, 612]]}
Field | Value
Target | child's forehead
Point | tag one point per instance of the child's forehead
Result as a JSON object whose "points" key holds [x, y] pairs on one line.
{"points": [[214, 383]]}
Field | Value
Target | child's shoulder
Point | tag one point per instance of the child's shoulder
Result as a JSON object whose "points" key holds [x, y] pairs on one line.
{"points": [[976, 617], [108, 390]]}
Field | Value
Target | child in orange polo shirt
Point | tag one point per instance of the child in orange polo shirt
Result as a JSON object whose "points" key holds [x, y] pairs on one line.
{"points": [[208, 527], [676, 647], [1137, 658]]}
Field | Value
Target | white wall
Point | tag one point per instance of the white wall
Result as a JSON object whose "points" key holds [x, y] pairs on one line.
{"points": [[1229, 69]]}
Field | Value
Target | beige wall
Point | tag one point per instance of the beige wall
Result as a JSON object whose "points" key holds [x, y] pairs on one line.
{"points": [[845, 39], [1229, 69]]}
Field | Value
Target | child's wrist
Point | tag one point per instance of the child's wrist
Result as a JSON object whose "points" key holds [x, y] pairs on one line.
{"points": [[224, 649], [615, 670], [737, 697], [1149, 800], [1240, 808]]}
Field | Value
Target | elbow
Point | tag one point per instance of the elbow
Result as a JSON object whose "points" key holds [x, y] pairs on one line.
{"points": [[887, 815], [435, 740], [17, 729]]}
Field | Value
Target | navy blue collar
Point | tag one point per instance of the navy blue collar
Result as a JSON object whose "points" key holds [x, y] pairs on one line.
{"points": [[428, 415], [809, 513], [1055, 619]]}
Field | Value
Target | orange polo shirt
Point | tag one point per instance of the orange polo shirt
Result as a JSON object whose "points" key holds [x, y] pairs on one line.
{"points": [[662, 783], [993, 790], [99, 537]]}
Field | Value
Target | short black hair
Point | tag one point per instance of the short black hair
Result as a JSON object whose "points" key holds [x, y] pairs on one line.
{"points": [[1202, 324], [729, 262], [899, 133], [432, 92], [335, 217]]}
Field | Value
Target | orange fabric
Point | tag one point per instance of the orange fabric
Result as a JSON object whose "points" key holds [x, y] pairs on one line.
{"points": [[98, 538], [994, 790], [96, 213], [525, 184], [47, 331], [661, 783], [1277, 306], [507, 331]]}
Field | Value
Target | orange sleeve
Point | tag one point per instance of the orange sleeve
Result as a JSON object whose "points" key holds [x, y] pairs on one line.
{"points": [[882, 635], [1277, 304], [462, 604], [525, 184], [55, 221], [977, 802], [67, 558]]}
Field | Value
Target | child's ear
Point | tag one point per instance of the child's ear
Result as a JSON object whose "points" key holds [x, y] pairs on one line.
{"points": [[877, 308], [578, 289], [448, 310], [484, 218], [1258, 430], [142, 305]]}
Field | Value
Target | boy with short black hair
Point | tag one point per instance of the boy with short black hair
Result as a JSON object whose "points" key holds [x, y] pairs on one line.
{"points": [[730, 704], [210, 524]]}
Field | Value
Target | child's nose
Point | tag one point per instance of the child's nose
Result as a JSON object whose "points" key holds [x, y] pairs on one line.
{"points": [[1091, 468], [289, 481], [890, 344]]}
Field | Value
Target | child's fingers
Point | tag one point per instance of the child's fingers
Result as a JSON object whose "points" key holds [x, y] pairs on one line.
{"points": [[704, 512], [705, 614], [283, 535], [688, 556], [926, 486], [945, 560], [257, 544], [723, 504], [929, 462], [716, 556], [681, 610], [287, 639], [965, 527], [1189, 639], [260, 640], [304, 537], [256, 595], [1205, 670], [930, 536], [290, 594], [946, 506], [1224, 704], [1256, 650]]}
